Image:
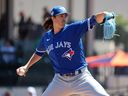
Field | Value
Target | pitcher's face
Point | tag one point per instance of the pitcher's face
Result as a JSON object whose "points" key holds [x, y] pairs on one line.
{"points": [[60, 20]]}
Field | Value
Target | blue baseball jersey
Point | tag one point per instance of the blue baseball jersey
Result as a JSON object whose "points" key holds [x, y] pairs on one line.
{"points": [[65, 49]]}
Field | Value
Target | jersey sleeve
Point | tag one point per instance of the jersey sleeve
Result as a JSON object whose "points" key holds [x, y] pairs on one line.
{"points": [[40, 49], [83, 26], [91, 22]]}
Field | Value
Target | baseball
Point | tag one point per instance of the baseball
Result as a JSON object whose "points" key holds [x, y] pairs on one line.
{"points": [[21, 72]]}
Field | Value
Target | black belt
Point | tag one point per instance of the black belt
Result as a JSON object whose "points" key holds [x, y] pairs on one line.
{"points": [[73, 73]]}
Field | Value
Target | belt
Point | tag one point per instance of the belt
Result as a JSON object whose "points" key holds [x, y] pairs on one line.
{"points": [[73, 73]]}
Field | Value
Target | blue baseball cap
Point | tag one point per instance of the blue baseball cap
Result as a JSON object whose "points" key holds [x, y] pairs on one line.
{"points": [[57, 10]]}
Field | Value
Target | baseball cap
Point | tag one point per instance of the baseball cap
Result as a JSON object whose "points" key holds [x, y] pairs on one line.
{"points": [[57, 10]]}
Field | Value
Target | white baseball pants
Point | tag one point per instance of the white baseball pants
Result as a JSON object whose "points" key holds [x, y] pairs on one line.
{"points": [[82, 85]]}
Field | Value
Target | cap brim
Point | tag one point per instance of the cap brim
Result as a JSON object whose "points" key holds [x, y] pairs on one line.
{"points": [[60, 14]]}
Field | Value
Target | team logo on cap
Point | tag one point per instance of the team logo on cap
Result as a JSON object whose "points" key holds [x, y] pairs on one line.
{"points": [[52, 13], [68, 54]]}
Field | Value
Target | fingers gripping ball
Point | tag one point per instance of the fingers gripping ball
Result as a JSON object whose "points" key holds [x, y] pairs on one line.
{"points": [[21, 71], [109, 26]]}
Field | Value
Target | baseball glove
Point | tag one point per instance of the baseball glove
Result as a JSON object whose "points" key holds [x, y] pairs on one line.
{"points": [[109, 25]]}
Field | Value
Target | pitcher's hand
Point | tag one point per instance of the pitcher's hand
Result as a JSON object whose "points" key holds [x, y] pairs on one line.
{"points": [[21, 71]]}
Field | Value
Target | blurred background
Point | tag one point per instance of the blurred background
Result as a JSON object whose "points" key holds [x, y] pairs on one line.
{"points": [[21, 29]]}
